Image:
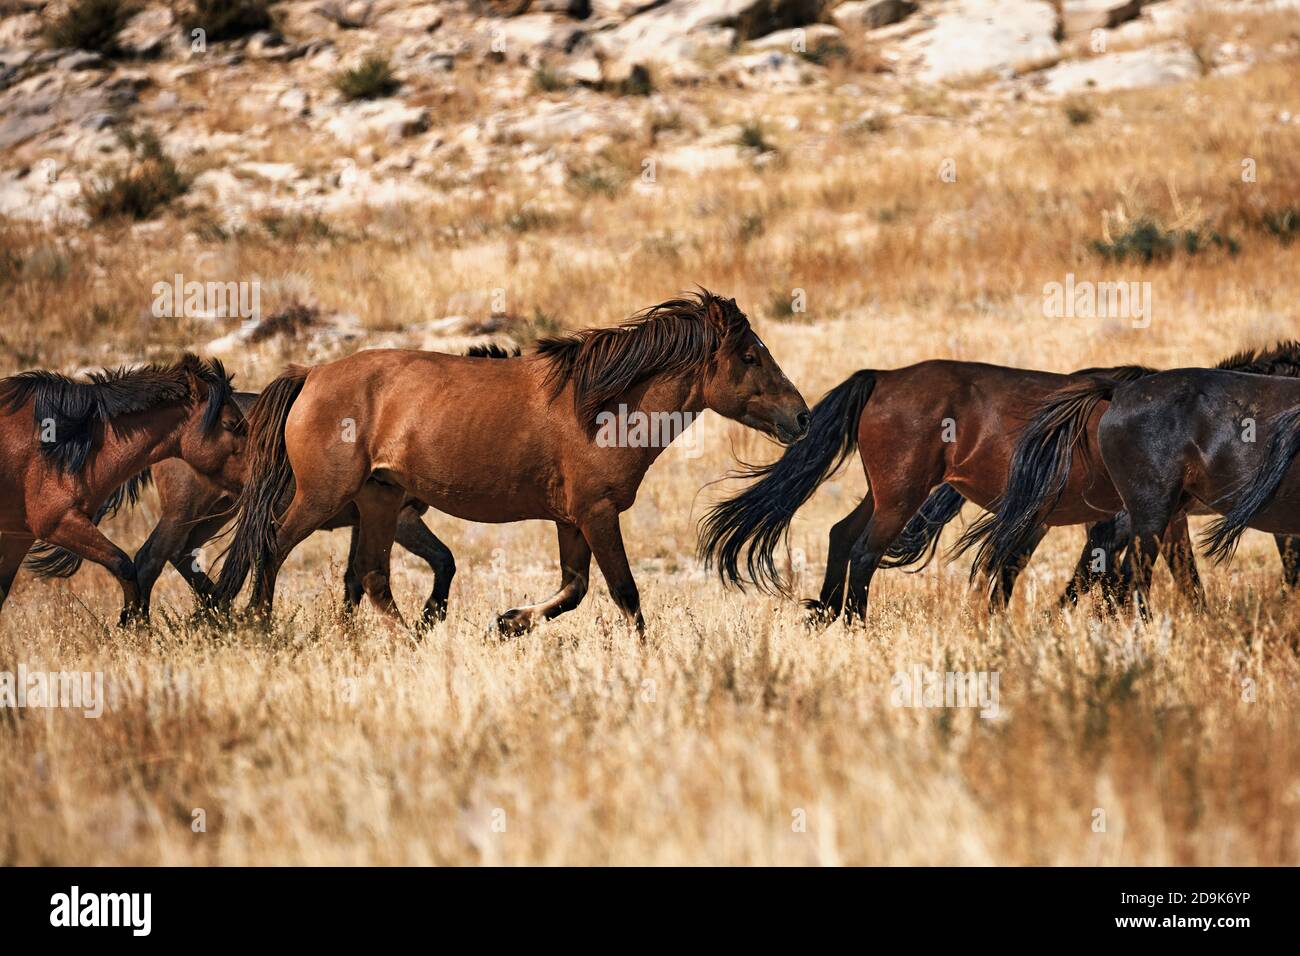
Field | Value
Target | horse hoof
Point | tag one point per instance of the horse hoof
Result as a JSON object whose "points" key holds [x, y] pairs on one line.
{"points": [[513, 623], [819, 616]]}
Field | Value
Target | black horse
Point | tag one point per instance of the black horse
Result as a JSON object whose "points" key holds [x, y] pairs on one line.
{"points": [[1186, 441]]}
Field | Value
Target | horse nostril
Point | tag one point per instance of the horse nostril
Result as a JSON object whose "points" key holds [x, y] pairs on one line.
{"points": [[804, 420]]}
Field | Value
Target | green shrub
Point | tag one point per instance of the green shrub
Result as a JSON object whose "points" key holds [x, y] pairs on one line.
{"points": [[1284, 224], [372, 79], [753, 137], [1147, 242], [90, 25], [139, 189], [228, 19], [546, 80]]}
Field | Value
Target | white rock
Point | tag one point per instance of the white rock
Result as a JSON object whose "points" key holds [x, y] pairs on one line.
{"points": [[146, 33], [809, 39], [1131, 69], [681, 29], [356, 122], [524, 39], [41, 195], [970, 37]]}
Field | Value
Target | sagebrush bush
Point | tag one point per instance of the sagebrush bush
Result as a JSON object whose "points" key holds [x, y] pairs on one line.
{"points": [[90, 25], [372, 79], [228, 19], [138, 189], [1147, 241]]}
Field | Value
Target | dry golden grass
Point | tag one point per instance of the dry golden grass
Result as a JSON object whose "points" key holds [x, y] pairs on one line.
{"points": [[329, 741]]}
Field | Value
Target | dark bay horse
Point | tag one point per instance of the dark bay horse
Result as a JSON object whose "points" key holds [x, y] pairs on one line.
{"points": [[938, 423], [495, 441], [193, 509], [69, 448], [1154, 450]]}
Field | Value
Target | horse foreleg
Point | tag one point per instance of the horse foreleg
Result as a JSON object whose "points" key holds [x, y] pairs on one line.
{"points": [[575, 565], [601, 529], [173, 539], [13, 548], [187, 561], [77, 533], [414, 535]]}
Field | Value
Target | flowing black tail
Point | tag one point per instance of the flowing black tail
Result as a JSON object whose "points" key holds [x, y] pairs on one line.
{"points": [[1039, 471], [51, 561], [756, 521], [269, 485], [919, 539], [1223, 534]]}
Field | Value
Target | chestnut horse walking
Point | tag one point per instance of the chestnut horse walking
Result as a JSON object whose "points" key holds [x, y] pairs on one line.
{"points": [[69, 448], [496, 440]]}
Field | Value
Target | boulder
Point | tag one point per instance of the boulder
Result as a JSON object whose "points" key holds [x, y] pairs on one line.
{"points": [[357, 122], [39, 194], [527, 38], [814, 38], [1128, 70], [681, 29], [147, 33], [971, 37]]}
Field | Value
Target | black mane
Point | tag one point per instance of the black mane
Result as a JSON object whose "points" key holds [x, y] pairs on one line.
{"points": [[1282, 359], [74, 407], [492, 351]]}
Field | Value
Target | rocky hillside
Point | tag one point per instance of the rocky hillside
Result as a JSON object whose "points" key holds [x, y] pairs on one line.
{"points": [[441, 92], [194, 123]]}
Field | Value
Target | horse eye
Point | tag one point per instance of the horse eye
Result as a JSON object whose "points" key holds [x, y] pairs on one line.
{"points": [[749, 358]]}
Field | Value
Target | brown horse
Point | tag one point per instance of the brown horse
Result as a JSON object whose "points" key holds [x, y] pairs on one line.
{"points": [[69, 448], [938, 423], [495, 441], [194, 508]]}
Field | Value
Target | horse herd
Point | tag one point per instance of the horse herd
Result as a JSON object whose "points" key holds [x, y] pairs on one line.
{"points": [[373, 440]]}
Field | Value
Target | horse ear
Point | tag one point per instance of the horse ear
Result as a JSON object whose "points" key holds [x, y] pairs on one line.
{"points": [[196, 386], [715, 313]]}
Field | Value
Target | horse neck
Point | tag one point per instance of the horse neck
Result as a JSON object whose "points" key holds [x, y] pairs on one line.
{"points": [[665, 395], [138, 440]]}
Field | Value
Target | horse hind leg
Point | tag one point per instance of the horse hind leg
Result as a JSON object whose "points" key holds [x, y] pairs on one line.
{"points": [[1288, 549], [1176, 545], [378, 505], [844, 534], [414, 535], [309, 510], [1100, 562], [888, 519], [1000, 591]]}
